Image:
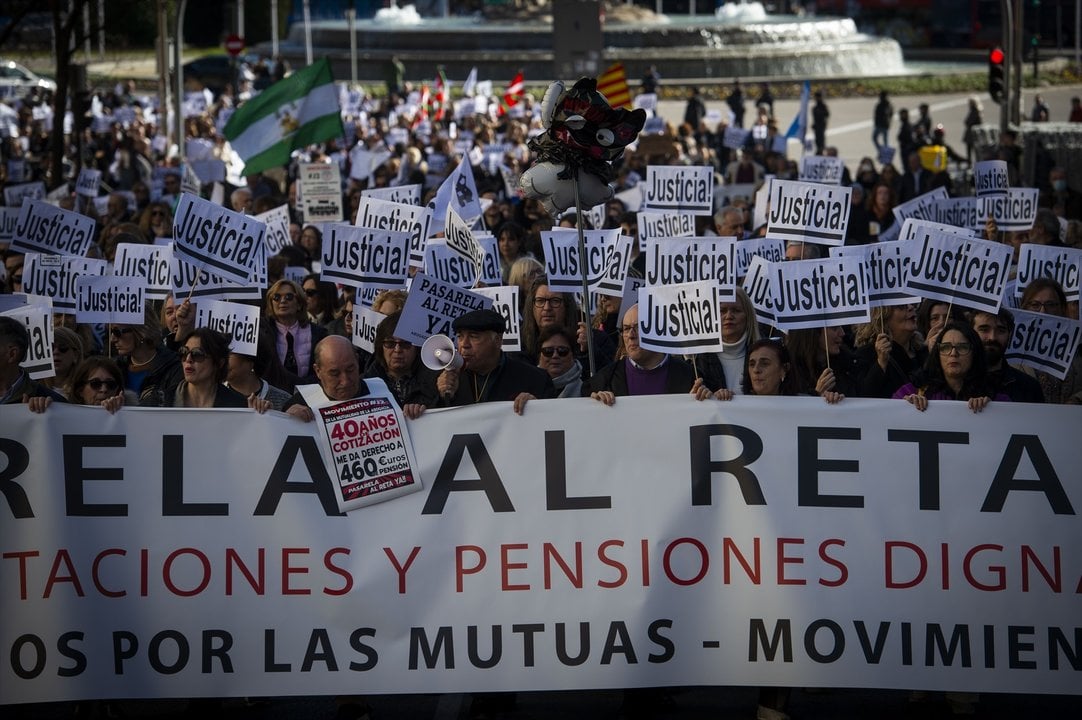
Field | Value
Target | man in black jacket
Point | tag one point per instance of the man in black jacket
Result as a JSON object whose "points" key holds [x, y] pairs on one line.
{"points": [[995, 333]]}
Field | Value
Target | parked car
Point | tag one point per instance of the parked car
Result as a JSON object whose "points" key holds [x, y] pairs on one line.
{"points": [[17, 81], [216, 71]]}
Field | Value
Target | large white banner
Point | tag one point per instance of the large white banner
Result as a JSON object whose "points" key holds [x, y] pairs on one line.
{"points": [[663, 541]]}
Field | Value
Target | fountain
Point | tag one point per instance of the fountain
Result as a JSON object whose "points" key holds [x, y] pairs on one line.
{"points": [[740, 40]]}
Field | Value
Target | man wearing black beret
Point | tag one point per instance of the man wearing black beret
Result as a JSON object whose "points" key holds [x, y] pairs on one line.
{"points": [[488, 374]]}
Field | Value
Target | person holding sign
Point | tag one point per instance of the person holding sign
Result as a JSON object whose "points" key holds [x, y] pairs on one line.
{"points": [[398, 363], [1045, 295], [956, 370], [546, 308], [151, 370], [638, 371], [821, 363], [95, 381], [16, 385], [204, 356], [889, 350], [739, 329], [995, 333], [488, 374]]}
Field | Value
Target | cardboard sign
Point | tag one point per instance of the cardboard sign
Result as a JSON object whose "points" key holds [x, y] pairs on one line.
{"points": [[445, 264], [1062, 264], [919, 207], [1017, 210], [458, 192], [43, 228], [963, 270], [958, 212], [55, 276], [320, 187], [677, 261], [277, 222], [819, 293], [654, 225], [914, 229], [14, 195], [362, 162], [38, 319], [505, 302], [808, 211], [990, 178], [88, 183], [150, 264], [223, 242], [1046, 342], [399, 217], [490, 263], [563, 264], [360, 255], [9, 216], [459, 237], [365, 444], [821, 169], [187, 280], [768, 248], [727, 194], [675, 188], [109, 299], [618, 259], [365, 323], [886, 271], [237, 320], [758, 285], [431, 306], [735, 138], [404, 194], [631, 198], [682, 318]]}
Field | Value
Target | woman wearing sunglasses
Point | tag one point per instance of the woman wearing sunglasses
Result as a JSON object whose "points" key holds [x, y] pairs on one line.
{"points": [[557, 358], [95, 381], [151, 370], [956, 370], [204, 357], [288, 337], [398, 363]]}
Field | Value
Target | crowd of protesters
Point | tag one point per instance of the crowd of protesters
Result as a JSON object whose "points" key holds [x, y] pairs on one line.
{"points": [[932, 353]]}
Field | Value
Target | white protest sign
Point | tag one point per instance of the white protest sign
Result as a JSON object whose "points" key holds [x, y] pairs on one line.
{"points": [[365, 323], [618, 260], [404, 194], [758, 285], [320, 186], [445, 264], [188, 280], [886, 270], [149, 263], [365, 443], [362, 162], [43, 228], [386, 215], [676, 261], [224, 242], [676, 188], [54, 276], [563, 265], [359, 255], [682, 318], [38, 319], [459, 237], [1062, 264], [990, 178], [101, 205], [109, 299], [490, 263], [631, 198], [296, 273], [204, 172], [432, 305], [237, 320], [459, 192], [654, 225], [1017, 210], [1043, 341], [595, 215], [646, 101], [88, 182], [505, 302], [964, 270], [9, 216], [768, 248], [821, 169], [16, 170], [727, 194], [189, 181], [808, 211], [277, 222], [919, 207], [818, 293], [735, 138], [959, 212], [914, 229], [15, 194]]}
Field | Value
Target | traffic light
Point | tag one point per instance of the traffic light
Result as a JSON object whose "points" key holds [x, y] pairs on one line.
{"points": [[997, 86]]}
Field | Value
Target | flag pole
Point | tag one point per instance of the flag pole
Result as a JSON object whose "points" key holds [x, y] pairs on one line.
{"points": [[585, 281]]}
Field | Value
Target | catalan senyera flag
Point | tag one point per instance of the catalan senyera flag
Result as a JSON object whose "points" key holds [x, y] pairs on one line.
{"points": [[291, 114], [613, 85]]}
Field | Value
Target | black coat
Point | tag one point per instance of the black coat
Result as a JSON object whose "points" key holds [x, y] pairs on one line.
{"points": [[511, 377], [613, 377]]}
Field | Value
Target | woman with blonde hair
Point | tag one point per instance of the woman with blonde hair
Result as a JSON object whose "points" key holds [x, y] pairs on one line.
{"points": [[287, 338]]}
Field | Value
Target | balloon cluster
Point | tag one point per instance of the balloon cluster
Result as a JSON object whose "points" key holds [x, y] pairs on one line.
{"points": [[582, 132]]}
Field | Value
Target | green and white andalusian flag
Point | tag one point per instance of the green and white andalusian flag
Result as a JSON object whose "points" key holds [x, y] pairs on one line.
{"points": [[292, 113]]}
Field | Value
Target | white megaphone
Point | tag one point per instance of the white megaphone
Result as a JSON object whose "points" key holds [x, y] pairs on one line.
{"points": [[438, 353]]}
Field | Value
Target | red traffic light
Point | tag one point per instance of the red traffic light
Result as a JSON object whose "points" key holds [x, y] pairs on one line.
{"points": [[996, 56]]}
